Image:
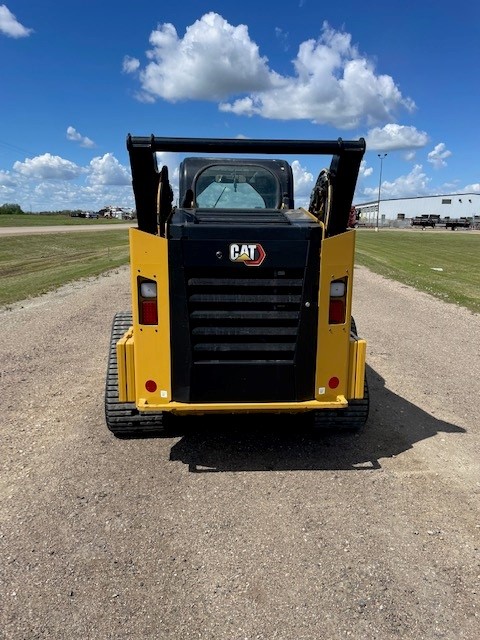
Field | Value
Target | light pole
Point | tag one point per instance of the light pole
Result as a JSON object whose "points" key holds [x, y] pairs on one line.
{"points": [[382, 157]]}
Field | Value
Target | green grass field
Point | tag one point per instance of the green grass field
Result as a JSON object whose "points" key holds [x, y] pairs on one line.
{"points": [[444, 264], [34, 264], [35, 220]]}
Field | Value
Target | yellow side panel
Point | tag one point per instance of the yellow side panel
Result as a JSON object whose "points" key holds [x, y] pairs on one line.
{"points": [[149, 259], [130, 367], [125, 368], [122, 369], [352, 367], [333, 340], [360, 369], [356, 386]]}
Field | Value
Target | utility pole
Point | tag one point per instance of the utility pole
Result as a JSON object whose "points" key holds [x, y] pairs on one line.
{"points": [[382, 157]]}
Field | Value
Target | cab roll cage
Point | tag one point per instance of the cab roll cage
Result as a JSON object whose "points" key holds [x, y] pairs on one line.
{"points": [[153, 193]]}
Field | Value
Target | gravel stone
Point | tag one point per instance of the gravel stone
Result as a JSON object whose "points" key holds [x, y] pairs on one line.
{"points": [[240, 529]]}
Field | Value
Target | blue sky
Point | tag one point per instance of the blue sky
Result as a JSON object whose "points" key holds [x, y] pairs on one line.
{"points": [[77, 76]]}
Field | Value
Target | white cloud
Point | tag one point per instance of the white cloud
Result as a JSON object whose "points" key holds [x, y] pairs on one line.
{"points": [[10, 26], [7, 187], [6, 179], [393, 137], [283, 37], [472, 188], [107, 170], [438, 155], [72, 134], [169, 159], [51, 183], [130, 65], [415, 183], [215, 61], [49, 196], [303, 182], [364, 171], [48, 167]]}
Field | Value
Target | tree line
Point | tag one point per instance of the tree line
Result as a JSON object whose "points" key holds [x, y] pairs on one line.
{"points": [[15, 209]]}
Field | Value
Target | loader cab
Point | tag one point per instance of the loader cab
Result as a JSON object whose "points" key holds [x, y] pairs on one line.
{"points": [[225, 183]]}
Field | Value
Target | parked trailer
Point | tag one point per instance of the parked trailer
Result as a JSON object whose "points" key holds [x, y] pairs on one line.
{"points": [[463, 223]]}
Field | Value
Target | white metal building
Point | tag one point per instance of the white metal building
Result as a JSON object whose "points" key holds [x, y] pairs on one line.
{"points": [[457, 205]]}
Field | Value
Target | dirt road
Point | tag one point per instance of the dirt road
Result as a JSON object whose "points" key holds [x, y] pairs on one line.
{"points": [[24, 231], [246, 530]]}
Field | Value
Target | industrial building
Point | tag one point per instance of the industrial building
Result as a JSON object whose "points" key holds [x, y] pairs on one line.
{"points": [[402, 210]]}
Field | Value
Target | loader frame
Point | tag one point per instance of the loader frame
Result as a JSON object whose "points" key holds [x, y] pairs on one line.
{"points": [[139, 378]]}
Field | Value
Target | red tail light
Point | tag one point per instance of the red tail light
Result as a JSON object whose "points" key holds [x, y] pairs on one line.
{"points": [[336, 314], [147, 301], [338, 302], [149, 312]]}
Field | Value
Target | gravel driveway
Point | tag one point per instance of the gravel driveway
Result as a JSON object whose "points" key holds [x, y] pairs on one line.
{"points": [[28, 231], [250, 529]]}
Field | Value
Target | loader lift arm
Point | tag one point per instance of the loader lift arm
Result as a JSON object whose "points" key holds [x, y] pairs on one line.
{"points": [[147, 182]]}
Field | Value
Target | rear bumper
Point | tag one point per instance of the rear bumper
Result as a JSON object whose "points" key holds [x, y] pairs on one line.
{"points": [[127, 391], [181, 408]]}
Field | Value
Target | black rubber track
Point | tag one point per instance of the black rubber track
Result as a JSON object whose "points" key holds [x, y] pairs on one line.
{"points": [[122, 418], [353, 418]]}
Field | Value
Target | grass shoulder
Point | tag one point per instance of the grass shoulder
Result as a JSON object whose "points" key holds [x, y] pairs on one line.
{"points": [[444, 264], [51, 219], [31, 265]]}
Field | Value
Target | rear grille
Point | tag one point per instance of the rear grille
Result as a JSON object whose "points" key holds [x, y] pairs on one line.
{"points": [[252, 319], [239, 218]]}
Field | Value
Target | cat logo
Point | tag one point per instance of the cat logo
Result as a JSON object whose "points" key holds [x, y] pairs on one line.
{"points": [[252, 255]]}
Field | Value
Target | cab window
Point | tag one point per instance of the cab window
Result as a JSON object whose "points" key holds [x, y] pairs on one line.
{"points": [[237, 187]]}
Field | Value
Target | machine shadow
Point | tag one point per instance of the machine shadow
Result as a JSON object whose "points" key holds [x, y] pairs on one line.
{"points": [[256, 442]]}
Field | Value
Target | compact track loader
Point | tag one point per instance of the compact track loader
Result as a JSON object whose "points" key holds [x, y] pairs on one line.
{"points": [[241, 303]]}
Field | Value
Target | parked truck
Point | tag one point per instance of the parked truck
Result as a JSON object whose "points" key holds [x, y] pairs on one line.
{"points": [[426, 220], [241, 302]]}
